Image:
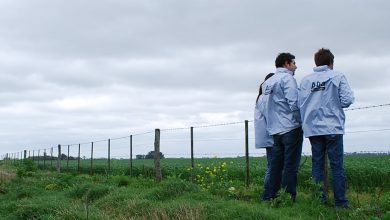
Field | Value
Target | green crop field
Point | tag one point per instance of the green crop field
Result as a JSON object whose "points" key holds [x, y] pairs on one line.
{"points": [[364, 172], [217, 190]]}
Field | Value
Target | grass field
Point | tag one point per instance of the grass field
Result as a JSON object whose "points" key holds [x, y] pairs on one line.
{"points": [[364, 172], [218, 191]]}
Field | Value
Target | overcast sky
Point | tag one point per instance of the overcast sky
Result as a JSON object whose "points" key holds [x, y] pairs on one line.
{"points": [[78, 71]]}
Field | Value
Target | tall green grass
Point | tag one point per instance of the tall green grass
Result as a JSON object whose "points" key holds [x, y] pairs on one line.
{"points": [[52, 195], [363, 172]]}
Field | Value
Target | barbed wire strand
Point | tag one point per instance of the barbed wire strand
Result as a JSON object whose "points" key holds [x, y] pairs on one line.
{"points": [[228, 123], [220, 124], [119, 138], [216, 155], [143, 133], [373, 130], [367, 107], [202, 140]]}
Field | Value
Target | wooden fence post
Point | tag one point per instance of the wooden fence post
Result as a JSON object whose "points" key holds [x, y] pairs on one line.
{"points": [[44, 158], [192, 154], [91, 169], [51, 158], [157, 164], [109, 157], [38, 157], [78, 160], [131, 156], [59, 159], [246, 154], [67, 161]]}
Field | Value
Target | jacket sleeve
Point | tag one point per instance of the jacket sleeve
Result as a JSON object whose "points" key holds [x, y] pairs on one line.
{"points": [[290, 90], [345, 93], [301, 93]]}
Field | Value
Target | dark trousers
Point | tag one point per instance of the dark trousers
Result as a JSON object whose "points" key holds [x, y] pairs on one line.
{"points": [[333, 144], [286, 157]]}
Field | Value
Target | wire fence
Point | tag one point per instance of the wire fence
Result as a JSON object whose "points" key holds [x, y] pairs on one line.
{"points": [[142, 153]]}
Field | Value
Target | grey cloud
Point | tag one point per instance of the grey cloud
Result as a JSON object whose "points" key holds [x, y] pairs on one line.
{"points": [[119, 28], [80, 70]]}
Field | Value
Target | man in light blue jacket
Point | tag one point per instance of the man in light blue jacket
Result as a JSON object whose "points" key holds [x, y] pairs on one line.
{"points": [[322, 97], [284, 124]]}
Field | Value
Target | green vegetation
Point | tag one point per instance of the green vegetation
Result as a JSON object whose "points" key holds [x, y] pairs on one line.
{"points": [[364, 172], [218, 191]]}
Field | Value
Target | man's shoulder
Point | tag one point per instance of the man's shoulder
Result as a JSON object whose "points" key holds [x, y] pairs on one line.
{"points": [[327, 74], [336, 73], [309, 77], [336, 76], [285, 76], [286, 79], [268, 82]]}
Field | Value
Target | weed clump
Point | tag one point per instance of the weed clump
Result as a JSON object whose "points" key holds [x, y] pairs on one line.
{"points": [[35, 208], [89, 191], [27, 192], [3, 190], [121, 180], [51, 186], [171, 189], [283, 199]]}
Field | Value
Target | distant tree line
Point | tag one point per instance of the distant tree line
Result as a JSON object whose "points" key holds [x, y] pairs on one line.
{"points": [[48, 157], [150, 155]]}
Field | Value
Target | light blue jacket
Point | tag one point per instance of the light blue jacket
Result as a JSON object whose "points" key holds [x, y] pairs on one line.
{"points": [[281, 102], [322, 97], [262, 137]]}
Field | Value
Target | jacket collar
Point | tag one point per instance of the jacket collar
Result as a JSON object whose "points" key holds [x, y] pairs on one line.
{"points": [[283, 70], [321, 68]]}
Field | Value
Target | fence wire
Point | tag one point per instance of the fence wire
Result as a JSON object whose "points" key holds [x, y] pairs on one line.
{"points": [[171, 140]]}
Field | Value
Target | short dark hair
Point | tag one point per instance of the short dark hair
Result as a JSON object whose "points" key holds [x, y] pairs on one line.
{"points": [[282, 58], [323, 57]]}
